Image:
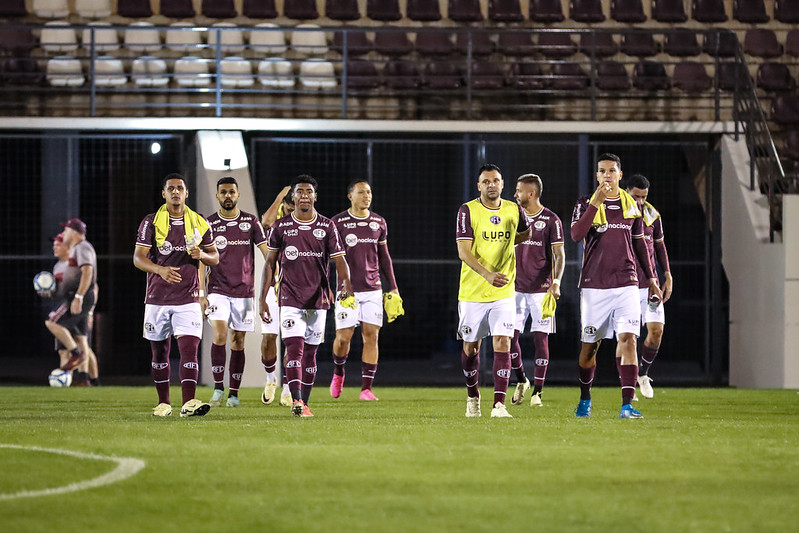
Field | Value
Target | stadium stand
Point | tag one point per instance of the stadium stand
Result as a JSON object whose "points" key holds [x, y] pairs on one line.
{"points": [[51, 9], [708, 11], [786, 11], [434, 43], [342, 10], [750, 11], [183, 40], [192, 71], [231, 39], [720, 44], [527, 76], [691, 77], [790, 147], [598, 44], [93, 9], [681, 44], [401, 75], [785, 109], [762, 42], [259, 9], [109, 72], [308, 43], [586, 11], [556, 45], [58, 36], [464, 10], [236, 72], [639, 44], [139, 38], [612, 76], [316, 73], [22, 71], [569, 76], [149, 71], [362, 74], [423, 10], [106, 38], [383, 10], [480, 42], [300, 9], [134, 8], [16, 40], [65, 71], [505, 11], [177, 9], [516, 43], [650, 76], [219, 9], [268, 42], [276, 73], [442, 75], [487, 75], [775, 77], [393, 43], [13, 8], [732, 76], [357, 43], [631, 11], [546, 11], [669, 11]]}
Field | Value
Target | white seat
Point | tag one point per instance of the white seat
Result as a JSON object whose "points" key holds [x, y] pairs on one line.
{"points": [[182, 40], [268, 42], [236, 72], [276, 72], [93, 9], [58, 36], [64, 71], [139, 38], [232, 40], [109, 72], [192, 72], [149, 71], [309, 43], [105, 39], [50, 9], [317, 74]]}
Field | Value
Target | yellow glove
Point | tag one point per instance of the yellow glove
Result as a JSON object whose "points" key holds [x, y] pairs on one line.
{"points": [[548, 306], [393, 305], [349, 301]]}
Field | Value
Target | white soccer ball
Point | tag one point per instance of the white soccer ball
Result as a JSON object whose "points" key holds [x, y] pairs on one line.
{"points": [[60, 378], [44, 281]]}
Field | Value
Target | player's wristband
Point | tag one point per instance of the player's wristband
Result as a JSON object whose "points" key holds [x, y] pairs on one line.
{"points": [[555, 282], [79, 296], [201, 294]]}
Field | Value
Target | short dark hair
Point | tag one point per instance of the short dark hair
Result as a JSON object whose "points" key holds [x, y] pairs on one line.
{"points": [[488, 167], [227, 179], [637, 181], [353, 183], [304, 178], [288, 199], [534, 180], [174, 176], [609, 157]]}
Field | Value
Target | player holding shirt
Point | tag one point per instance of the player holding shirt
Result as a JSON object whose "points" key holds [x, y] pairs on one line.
{"points": [[655, 319], [364, 234], [303, 242], [169, 246], [230, 287], [487, 229], [611, 224], [540, 261]]}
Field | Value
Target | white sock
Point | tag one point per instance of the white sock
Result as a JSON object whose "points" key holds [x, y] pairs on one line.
{"points": [[271, 377]]}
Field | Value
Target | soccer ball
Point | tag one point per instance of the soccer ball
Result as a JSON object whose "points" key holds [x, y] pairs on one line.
{"points": [[60, 378], [44, 281]]}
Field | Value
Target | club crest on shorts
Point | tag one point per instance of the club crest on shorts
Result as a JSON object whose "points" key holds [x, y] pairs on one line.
{"points": [[589, 330], [288, 323], [465, 330], [342, 315], [149, 327]]}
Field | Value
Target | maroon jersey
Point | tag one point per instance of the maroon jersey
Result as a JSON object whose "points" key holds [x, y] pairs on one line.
{"points": [[361, 237], [609, 260], [534, 256], [235, 239], [304, 251], [172, 253], [652, 234]]}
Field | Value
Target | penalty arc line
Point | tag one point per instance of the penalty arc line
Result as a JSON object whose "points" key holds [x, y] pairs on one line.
{"points": [[126, 467]]}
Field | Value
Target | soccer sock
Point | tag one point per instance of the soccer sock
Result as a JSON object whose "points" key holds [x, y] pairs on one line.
{"points": [[541, 340], [471, 367], [586, 380], [293, 353], [338, 364], [501, 376], [308, 371], [189, 369], [368, 372], [285, 377], [218, 356], [648, 354], [629, 375], [270, 366], [236, 370], [160, 368], [516, 363]]}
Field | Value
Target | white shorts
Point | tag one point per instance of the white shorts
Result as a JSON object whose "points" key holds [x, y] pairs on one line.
{"points": [[273, 327], [647, 315], [306, 323], [369, 310], [529, 305], [481, 319], [161, 321], [605, 311], [239, 313]]}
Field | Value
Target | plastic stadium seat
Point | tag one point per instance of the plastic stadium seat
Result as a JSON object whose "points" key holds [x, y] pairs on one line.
{"points": [[268, 42], [556, 45], [192, 71], [177, 9], [183, 40], [749, 11], [13, 8], [437, 43], [309, 42], [762, 43], [134, 8], [219, 9], [790, 147], [385, 10], [708, 11], [401, 75], [149, 71], [721, 44], [236, 72], [16, 40], [259, 9], [546, 11], [639, 44], [93, 9], [568, 77], [732, 76], [627, 11], [443, 75], [482, 45], [105, 38], [691, 77], [393, 43], [612, 76], [423, 10], [231, 40], [586, 11], [681, 44], [358, 43], [109, 72], [50, 9], [362, 74], [505, 11], [342, 9], [317, 74], [598, 44], [22, 71], [464, 10], [487, 75], [276, 73], [527, 76], [139, 38], [792, 43], [650, 76], [775, 77], [785, 109], [786, 11], [64, 71], [516, 43], [300, 9], [669, 11], [58, 36]]}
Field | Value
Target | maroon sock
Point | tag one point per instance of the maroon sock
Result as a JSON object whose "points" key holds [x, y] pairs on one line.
{"points": [[368, 371], [516, 363], [189, 369], [471, 366], [338, 364], [218, 357], [501, 375], [308, 371], [629, 375], [236, 370], [293, 353], [586, 380], [648, 354], [160, 365], [270, 365], [541, 340]]}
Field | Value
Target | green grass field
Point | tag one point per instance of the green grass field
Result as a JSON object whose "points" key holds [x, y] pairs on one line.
{"points": [[701, 460]]}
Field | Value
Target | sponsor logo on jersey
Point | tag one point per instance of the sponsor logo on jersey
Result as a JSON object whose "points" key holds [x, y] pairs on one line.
{"points": [[462, 222], [374, 226], [232, 223], [532, 243], [617, 226], [495, 219], [611, 206], [220, 242], [350, 225], [288, 324], [343, 218], [496, 235], [149, 327], [166, 248], [362, 224], [284, 224], [589, 330], [319, 233], [305, 228], [602, 229], [293, 253], [539, 225], [291, 233], [351, 239], [508, 325], [220, 229], [245, 226]]}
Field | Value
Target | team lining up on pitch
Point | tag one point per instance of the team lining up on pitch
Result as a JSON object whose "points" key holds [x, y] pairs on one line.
{"points": [[512, 257]]}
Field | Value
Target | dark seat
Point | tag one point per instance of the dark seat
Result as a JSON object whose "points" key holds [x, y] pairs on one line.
{"points": [[612, 76], [639, 44], [650, 76], [568, 77], [790, 147], [546, 11], [17, 40], [401, 75], [259, 9], [487, 75], [134, 8], [505, 11], [300, 9], [358, 43], [732, 76], [393, 43], [464, 10], [385, 10], [516, 43], [762, 43], [527, 76], [681, 44], [342, 9], [482, 45], [792, 43], [423, 10], [556, 45], [691, 77], [22, 71], [786, 11], [785, 109], [586, 11], [669, 11], [720, 44], [598, 44], [708, 11], [177, 9], [362, 74], [13, 8], [442, 75], [435, 43], [219, 9], [749, 11], [775, 77], [627, 11]]}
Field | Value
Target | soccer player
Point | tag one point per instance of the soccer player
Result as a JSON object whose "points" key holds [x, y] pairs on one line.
{"points": [[540, 261], [304, 242], [230, 290], [365, 235], [169, 246], [487, 229], [654, 316], [60, 251], [611, 224]]}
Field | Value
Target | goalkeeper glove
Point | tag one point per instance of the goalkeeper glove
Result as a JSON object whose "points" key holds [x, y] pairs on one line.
{"points": [[393, 305], [349, 301], [548, 306]]}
